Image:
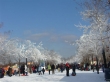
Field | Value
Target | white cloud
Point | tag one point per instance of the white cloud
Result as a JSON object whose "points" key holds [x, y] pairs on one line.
{"points": [[38, 36], [63, 38], [51, 37], [69, 37]]}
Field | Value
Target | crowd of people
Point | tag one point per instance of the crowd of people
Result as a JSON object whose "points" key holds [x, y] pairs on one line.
{"points": [[26, 69]]}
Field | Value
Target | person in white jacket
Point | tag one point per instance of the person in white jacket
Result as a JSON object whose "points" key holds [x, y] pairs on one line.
{"points": [[26, 70]]}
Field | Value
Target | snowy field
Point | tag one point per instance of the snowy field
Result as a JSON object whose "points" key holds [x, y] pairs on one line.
{"points": [[82, 76]]}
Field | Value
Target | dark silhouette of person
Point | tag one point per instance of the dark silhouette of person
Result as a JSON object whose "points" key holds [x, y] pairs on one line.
{"points": [[73, 68], [53, 68], [43, 70], [67, 69]]}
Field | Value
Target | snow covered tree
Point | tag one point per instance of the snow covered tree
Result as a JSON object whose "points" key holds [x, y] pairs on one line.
{"points": [[98, 14]]}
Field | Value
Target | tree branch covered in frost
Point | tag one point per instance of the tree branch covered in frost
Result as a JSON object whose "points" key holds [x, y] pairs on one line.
{"points": [[98, 15], [49, 54], [13, 50]]}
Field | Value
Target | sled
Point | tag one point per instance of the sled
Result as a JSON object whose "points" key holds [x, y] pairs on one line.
{"points": [[24, 75], [73, 74]]}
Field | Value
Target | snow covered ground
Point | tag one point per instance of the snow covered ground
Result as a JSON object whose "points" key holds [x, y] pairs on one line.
{"points": [[82, 76]]}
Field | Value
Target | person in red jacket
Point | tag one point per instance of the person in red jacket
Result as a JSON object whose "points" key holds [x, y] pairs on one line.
{"points": [[67, 69]]}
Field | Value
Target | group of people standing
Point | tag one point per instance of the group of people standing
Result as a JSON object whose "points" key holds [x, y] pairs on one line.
{"points": [[68, 68], [61, 67], [51, 67], [25, 69]]}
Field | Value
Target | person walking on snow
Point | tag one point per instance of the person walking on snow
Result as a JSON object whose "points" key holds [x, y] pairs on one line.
{"points": [[73, 68], [26, 70], [53, 68], [43, 70], [49, 68], [67, 69]]}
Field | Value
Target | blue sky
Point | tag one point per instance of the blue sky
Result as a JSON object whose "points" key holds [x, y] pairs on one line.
{"points": [[49, 21]]}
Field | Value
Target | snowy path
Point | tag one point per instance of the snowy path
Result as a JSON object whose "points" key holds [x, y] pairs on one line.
{"points": [[82, 76]]}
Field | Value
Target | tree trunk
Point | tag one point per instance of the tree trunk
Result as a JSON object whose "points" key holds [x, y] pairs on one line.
{"points": [[104, 58], [97, 66], [92, 64]]}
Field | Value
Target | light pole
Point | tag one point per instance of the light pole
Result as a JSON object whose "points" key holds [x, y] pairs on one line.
{"points": [[97, 66], [104, 58], [45, 63], [26, 61], [92, 63], [103, 54], [19, 65]]}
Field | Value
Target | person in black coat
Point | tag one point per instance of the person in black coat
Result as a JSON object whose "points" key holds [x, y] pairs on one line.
{"points": [[2, 71], [73, 68], [9, 72], [22, 69], [43, 70], [53, 68]]}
